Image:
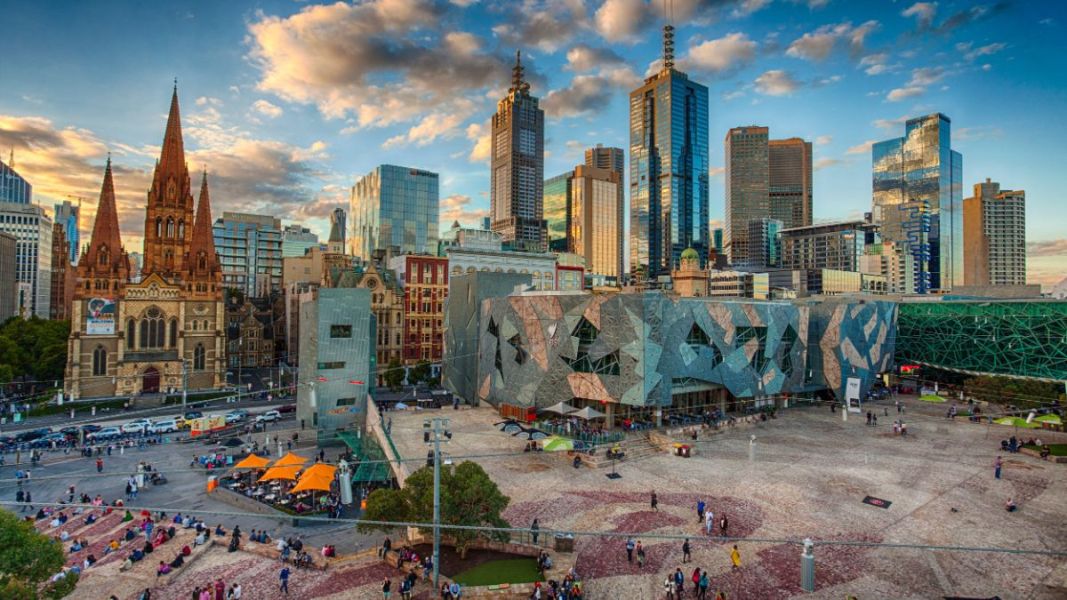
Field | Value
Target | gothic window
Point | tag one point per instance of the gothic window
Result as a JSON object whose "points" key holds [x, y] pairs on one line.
{"points": [[198, 357], [201, 260], [131, 333], [181, 229], [174, 333], [103, 256], [153, 329], [159, 227], [170, 227], [99, 361]]}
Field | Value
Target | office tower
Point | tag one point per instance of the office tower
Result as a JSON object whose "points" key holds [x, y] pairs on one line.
{"points": [[605, 158], [250, 248], [8, 281], [338, 230], [395, 210], [747, 187], [30, 224], [518, 167], [994, 236], [789, 162], [763, 248], [63, 280], [297, 240], [716, 239], [13, 187], [668, 169], [557, 195], [595, 220], [917, 201], [68, 215], [836, 246]]}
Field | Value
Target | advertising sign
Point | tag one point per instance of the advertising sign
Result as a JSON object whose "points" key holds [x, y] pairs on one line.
{"points": [[100, 316], [852, 394], [207, 424]]}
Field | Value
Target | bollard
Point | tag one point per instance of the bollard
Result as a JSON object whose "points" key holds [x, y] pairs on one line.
{"points": [[807, 566]]}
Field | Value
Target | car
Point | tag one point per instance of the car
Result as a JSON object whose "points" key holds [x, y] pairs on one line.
{"points": [[268, 417], [236, 415], [193, 414], [135, 427], [106, 433], [73, 431], [91, 428], [44, 442], [287, 408], [33, 434], [164, 426]]}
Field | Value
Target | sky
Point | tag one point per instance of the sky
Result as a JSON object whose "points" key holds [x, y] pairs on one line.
{"points": [[287, 103]]}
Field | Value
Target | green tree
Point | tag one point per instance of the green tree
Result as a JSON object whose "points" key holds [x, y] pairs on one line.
{"points": [[27, 561], [420, 372], [394, 375], [385, 505], [33, 348]]}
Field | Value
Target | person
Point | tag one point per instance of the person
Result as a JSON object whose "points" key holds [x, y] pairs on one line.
{"points": [[686, 551], [535, 528], [220, 590], [162, 569], [668, 587], [997, 464], [99, 465], [629, 550], [700, 510], [655, 501], [1045, 452], [723, 524], [454, 589], [577, 461], [1010, 505], [640, 556], [445, 592], [236, 591], [145, 595], [283, 577], [735, 558], [679, 582], [703, 584], [709, 522]]}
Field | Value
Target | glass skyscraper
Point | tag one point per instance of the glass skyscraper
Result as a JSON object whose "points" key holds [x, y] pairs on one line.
{"points": [[13, 188], [918, 201], [556, 198], [747, 187], [394, 208], [668, 170], [68, 215], [250, 250]]}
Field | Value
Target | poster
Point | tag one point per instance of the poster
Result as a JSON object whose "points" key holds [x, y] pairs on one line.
{"points": [[852, 395], [100, 316]]}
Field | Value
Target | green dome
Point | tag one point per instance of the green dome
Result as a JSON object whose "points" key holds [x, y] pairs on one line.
{"points": [[690, 254]]}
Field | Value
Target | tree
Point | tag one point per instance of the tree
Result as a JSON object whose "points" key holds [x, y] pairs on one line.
{"points": [[1023, 393], [28, 560], [385, 505], [33, 348], [420, 372], [394, 375]]}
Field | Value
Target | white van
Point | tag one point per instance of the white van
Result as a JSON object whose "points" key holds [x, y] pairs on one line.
{"points": [[164, 426]]}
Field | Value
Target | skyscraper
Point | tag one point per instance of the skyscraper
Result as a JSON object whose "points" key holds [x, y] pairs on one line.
{"points": [[613, 159], [394, 209], [33, 228], [518, 167], [789, 162], [595, 220], [338, 228], [994, 236], [764, 246], [668, 169], [557, 196], [747, 155], [250, 250], [13, 187], [69, 216], [605, 158], [918, 198]]}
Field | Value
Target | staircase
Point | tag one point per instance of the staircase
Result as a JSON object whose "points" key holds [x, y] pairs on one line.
{"points": [[636, 448]]}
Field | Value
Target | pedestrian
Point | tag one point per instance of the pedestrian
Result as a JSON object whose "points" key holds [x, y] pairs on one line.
{"points": [[99, 465], [196, 593], [655, 501], [220, 590], [723, 524], [535, 529], [868, 418], [702, 590], [997, 464], [679, 582], [687, 555], [70, 495], [283, 576], [885, 410], [898, 406], [387, 585], [640, 556], [700, 510], [629, 550], [668, 587], [735, 557], [29, 500], [874, 422], [709, 522]]}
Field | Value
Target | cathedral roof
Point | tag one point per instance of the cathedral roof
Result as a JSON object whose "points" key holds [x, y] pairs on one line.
{"points": [[203, 238], [106, 225], [172, 158]]}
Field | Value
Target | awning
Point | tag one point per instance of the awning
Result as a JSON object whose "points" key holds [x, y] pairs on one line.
{"points": [[289, 460], [287, 473], [319, 470], [252, 462], [318, 483]]}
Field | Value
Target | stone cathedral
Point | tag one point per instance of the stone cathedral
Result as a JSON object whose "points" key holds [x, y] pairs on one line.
{"points": [[140, 339]]}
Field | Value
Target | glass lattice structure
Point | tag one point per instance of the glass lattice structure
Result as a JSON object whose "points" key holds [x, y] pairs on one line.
{"points": [[1016, 339]]}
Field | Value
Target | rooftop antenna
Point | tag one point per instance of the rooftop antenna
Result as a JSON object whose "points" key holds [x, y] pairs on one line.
{"points": [[11, 159], [668, 35]]}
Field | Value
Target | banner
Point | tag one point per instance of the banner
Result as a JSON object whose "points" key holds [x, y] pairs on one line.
{"points": [[852, 395], [100, 316]]}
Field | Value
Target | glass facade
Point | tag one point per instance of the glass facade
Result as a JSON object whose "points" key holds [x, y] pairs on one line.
{"points": [[13, 188], [250, 252], [297, 240], [790, 181], [68, 214], [557, 191], [918, 200], [394, 207], [747, 188], [668, 173], [763, 243]]}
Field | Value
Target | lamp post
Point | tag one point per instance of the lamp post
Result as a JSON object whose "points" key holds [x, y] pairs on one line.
{"points": [[434, 432]]}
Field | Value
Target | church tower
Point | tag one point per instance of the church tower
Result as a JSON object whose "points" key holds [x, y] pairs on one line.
{"points": [[104, 268], [203, 275], [169, 215]]}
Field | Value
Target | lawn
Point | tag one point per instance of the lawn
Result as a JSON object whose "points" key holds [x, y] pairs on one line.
{"points": [[1054, 449], [508, 570], [932, 398]]}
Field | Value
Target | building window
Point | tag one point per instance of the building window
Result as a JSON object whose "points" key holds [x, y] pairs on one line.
{"points": [[99, 361], [346, 401], [198, 357], [174, 333], [152, 329], [170, 227], [159, 227], [331, 365], [181, 228], [131, 333]]}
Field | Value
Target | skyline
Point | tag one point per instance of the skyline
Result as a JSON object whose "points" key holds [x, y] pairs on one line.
{"points": [[282, 102]]}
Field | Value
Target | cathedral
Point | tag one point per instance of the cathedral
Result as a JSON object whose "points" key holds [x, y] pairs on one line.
{"points": [[167, 330]]}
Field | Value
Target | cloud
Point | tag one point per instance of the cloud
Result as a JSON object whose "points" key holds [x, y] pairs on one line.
{"points": [[747, 7], [890, 123], [1047, 247], [430, 128], [543, 24], [732, 51], [876, 64], [588, 93], [923, 12], [824, 163], [823, 140], [265, 108], [716, 171], [921, 78], [968, 134], [864, 148], [208, 101], [622, 20], [776, 83], [987, 50], [898, 94], [817, 45], [480, 134], [457, 207], [582, 58]]}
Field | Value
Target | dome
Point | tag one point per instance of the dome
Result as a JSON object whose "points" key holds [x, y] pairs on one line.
{"points": [[690, 254]]}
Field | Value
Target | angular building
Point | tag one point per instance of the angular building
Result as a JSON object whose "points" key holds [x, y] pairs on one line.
{"points": [[747, 188], [518, 167], [250, 248], [394, 210], [68, 215], [668, 169], [14, 188], [918, 201], [994, 236], [790, 187]]}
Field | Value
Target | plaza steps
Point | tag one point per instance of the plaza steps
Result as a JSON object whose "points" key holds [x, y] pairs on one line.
{"points": [[636, 448]]}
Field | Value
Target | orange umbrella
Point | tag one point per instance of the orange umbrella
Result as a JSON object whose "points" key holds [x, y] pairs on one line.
{"points": [[319, 483], [289, 460], [252, 462], [319, 469], [273, 473]]}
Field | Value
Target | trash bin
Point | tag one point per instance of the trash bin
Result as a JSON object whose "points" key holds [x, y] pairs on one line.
{"points": [[564, 542]]}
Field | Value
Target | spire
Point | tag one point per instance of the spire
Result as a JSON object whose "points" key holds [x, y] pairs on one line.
{"points": [[518, 83], [668, 35], [203, 240], [106, 226], [11, 160], [173, 154]]}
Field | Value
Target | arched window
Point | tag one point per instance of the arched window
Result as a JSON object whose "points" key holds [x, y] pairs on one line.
{"points": [[103, 256], [159, 227], [181, 228], [198, 357], [152, 329], [131, 334], [174, 333], [170, 227], [99, 361], [201, 260]]}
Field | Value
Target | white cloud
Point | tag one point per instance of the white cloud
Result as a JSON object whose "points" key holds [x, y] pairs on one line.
{"points": [[265, 108], [776, 83], [864, 148], [898, 94], [923, 12], [824, 163], [457, 207], [587, 93], [542, 24], [621, 20], [430, 128], [987, 50], [890, 124], [747, 7], [582, 58], [876, 64], [208, 101], [823, 140], [817, 45], [480, 134], [921, 78], [733, 50]]}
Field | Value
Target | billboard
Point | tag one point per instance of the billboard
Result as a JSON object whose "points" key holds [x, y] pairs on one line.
{"points": [[100, 316], [852, 394]]}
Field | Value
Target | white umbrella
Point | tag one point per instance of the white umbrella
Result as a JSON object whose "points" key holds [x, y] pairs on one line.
{"points": [[561, 408], [400, 406], [588, 414]]}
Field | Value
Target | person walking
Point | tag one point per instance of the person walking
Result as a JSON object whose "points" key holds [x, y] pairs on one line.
{"points": [[687, 555], [668, 587], [709, 522], [629, 550], [702, 586], [723, 524], [700, 510], [535, 529], [387, 585], [99, 465], [655, 501], [20, 496], [735, 558], [283, 577], [997, 464], [640, 556], [679, 582]]}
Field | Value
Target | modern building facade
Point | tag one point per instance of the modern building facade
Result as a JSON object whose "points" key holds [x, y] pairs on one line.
{"points": [[68, 215], [14, 188], [250, 248], [606, 157], [764, 249], [824, 246], [387, 306], [63, 277], [8, 280], [918, 201], [806, 282], [339, 228], [994, 236], [424, 279], [738, 284], [518, 167], [32, 228], [557, 199], [668, 169], [394, 209], [596, 220], [790, 181], [747, 187], [297, 240]]}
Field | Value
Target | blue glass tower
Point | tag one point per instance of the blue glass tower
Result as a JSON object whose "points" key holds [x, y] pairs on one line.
{"points": [[68, 215], [394, 208], [668, 169], [13, 187]]}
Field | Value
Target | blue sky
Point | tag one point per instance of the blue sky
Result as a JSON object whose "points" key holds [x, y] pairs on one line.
{"points": [[287, 103]]}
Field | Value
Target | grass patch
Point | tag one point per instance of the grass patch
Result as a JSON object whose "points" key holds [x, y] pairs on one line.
{"points": [[52, 409], [1054, 449], [509, 570], [932, 398]]}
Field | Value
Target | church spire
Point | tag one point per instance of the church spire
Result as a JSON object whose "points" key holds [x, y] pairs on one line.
{"points": [[202, 260], [173, 155], [104, 261], [106, 226]]}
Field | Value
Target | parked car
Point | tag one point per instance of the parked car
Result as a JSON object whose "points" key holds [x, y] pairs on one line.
{"points": [[269, 417], [232, 418], [287, 408], [136, 427], [164, 426], [33, 434], [193, 414], [46, 441], [106, 433], [91, 428]]}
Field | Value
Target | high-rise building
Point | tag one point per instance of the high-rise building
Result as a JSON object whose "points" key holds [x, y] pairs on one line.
{"points": [[30, 224], [763, 244], [8, 282], [603, 157], [595, 220], [297, 240], [716, 239], [518, 167], [557, 195], [747, 187], [918, 198], [338, 228], [13, 187], [789, 161], [668, 169], [68, 215], [994, 236], [394, 209], [836, 246], [250, 250], [62, 292]]}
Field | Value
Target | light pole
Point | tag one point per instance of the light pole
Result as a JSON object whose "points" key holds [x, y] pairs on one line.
{"points": [[185, 384], [434, 432]]}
